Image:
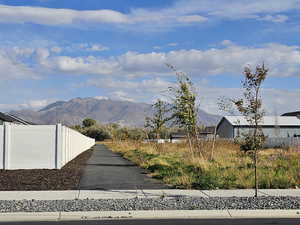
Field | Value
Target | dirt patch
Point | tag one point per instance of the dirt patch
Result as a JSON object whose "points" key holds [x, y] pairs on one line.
{"points": [[67, 178]]}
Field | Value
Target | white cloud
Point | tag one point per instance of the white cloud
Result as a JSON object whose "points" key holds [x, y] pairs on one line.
{"points": [[82, 65], [153, 85], [98, 48], [227, 43], [37, 104], [51, 16], [22, 51], [282, 60], [56, 49], [173, 44], [101, 97], [275, 19], [12, 68], [156, 47], [30, 105], [181, 13], [42, 54], [134, 90], [93, 47], [192, 19], [274, 100], [122, 96]]}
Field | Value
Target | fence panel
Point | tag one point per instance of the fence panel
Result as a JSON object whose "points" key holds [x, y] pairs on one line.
{"points": [[40, 146], [2, 156], [76, 143], [32, 147]]}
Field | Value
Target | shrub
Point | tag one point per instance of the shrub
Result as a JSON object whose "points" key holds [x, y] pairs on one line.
{"points": [[98, 133], [88, 122]]}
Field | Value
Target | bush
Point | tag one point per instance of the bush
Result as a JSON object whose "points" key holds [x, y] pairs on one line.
{"points": [[251, 143], [136, 134], [98, 133], [88, 122]]}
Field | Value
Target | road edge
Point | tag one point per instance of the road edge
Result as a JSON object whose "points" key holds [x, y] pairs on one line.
{"points": [[149, 214]]}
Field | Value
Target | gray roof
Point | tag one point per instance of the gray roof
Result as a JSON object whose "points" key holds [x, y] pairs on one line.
{"points": [[13, 119], [266, 121], [297, 113]]}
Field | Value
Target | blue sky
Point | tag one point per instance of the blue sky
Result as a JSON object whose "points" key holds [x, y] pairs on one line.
{"points": [[60, 49]]}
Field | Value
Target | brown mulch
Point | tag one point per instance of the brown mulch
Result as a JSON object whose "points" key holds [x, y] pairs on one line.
{"points": [[67, 178]]}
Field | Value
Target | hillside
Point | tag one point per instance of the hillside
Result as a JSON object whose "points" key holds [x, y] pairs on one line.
{"points": [[72, 112]]}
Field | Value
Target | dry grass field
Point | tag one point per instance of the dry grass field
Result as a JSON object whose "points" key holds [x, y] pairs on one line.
{"points": [[226, 168]]}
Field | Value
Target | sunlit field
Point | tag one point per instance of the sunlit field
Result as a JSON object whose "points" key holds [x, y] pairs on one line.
{"points": [[223, 166]]}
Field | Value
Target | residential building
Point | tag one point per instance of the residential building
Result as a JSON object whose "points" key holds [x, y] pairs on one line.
{"points": [[5, 117], [272, 126], [178, 137]]}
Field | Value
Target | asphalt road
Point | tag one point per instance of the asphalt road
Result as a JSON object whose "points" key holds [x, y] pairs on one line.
{"points": [[170, 222], [106, 170]]}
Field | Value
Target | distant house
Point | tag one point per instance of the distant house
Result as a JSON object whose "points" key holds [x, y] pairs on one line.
{"points": [[5, 117], [272, 126], [208, 132], [177, 137]]}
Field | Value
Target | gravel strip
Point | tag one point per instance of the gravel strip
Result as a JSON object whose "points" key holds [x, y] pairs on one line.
{"points": [[178, 203]]}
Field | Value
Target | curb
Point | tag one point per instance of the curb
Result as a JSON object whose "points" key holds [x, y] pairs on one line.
{"points": [[149, 214], [129, 194]]}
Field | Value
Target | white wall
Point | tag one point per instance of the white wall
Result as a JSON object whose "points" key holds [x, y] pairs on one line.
{"points": [[2, 147], [40, 146]]}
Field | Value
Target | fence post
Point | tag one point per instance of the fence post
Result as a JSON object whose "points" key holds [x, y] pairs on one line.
{"points": [[6, 145], [58, 147]]}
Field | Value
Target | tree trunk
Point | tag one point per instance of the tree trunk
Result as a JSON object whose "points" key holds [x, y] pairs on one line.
{"points": [[256, 174], [190, 145], [198, 143], [213, 145]]}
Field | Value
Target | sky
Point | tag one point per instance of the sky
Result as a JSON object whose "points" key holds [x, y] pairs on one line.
{"points": [[118, 49]]}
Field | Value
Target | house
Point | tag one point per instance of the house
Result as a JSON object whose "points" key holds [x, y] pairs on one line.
{"points": [[272, 126], [208, 132], [177, 137], [5, 117]]}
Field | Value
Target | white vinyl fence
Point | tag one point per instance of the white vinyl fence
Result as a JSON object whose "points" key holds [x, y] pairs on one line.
{"points": [[40, 146]]}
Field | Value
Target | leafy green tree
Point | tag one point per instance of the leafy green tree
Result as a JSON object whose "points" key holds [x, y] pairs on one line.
{"points": [[184, 106], [250, 106], [88, 122], [160, 117]]}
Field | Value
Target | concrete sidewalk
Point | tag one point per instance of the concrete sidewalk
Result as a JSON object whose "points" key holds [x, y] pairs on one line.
{"points": [[128, 194], [142, 214]]}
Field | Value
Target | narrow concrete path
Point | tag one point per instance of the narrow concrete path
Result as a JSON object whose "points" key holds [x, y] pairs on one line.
{"points": [[106, 170]]}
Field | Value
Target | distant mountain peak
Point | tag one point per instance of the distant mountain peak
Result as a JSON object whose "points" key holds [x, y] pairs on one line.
{"points": [[106, 110], [52, 105]]}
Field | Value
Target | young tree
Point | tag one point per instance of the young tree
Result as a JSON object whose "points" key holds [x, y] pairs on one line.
{"points": [[184, 106], [158, 122], [250, 106]]}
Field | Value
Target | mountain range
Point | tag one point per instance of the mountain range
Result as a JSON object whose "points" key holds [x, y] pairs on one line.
{"points": [[72, 112]]}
